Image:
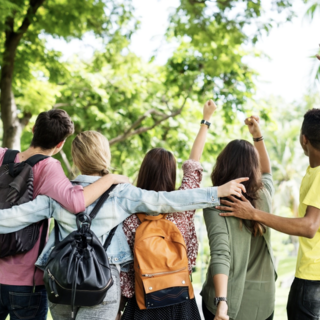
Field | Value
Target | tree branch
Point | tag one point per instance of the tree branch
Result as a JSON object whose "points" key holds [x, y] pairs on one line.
{"points": [[129, 133], [67, 163]]}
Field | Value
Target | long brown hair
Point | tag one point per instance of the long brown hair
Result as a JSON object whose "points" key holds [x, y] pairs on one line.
{"points": [[240, 159], [157, 171]]}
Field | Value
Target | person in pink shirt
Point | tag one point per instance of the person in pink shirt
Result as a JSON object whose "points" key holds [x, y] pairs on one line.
{"points": [[17, 273]]}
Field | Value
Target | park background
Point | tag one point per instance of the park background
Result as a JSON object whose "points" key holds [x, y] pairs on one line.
{"points": [[139, 72]]}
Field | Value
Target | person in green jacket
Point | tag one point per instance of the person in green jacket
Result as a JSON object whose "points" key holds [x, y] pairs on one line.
{"points": [[240, 283]]}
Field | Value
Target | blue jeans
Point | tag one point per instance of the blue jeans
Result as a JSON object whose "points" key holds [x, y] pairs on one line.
{"points": [[304, 300], [21, 303]]}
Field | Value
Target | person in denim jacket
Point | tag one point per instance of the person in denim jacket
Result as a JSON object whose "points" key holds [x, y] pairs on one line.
{"points": [[90, 151]]}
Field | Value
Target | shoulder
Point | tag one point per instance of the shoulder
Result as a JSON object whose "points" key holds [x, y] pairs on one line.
{"points": [[267, 182], [2, 152], [191, 165]]}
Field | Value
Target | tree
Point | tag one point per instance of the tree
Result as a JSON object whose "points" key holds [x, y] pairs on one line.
{"points": [[22, 26], [209, 58]]}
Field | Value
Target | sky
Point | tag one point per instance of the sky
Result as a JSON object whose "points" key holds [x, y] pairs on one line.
{"points": [[286, 70]]}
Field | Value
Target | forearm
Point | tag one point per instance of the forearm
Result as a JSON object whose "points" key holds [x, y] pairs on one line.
{"points": [[199, 143], [135, 200], [265, 164], [220, 282], [301, 227], [19, 217]]}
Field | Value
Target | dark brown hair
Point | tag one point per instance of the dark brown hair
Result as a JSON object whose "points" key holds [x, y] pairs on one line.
{"points": [[240, 159], [311, 127], [157, 171], [51, 128]]}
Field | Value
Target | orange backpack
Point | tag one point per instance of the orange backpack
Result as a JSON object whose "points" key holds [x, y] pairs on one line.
{"points": [[160, 264]]}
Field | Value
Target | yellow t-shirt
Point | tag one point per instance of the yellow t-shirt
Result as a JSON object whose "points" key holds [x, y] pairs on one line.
{"points": [[308, 261]]}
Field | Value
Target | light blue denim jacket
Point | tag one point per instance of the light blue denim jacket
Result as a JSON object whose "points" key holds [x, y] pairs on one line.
{"points": [[123, 201]]}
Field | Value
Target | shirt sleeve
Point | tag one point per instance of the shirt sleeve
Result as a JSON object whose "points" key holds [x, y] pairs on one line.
{"points": [[312, 198], [134, 200], [267, 181], [57, 186], [192, 175], [19, 217], [220, 253]]}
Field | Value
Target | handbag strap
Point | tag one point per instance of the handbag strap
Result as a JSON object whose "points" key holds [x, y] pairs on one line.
{"points": [[109, 238], [92, 215], [100, 202]]}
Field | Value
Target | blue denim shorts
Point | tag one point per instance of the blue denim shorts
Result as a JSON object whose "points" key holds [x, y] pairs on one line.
{"points": [[107, 310]]}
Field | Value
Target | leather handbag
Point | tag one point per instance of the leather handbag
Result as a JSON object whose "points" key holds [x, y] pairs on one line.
{"points": [[77, 272]]}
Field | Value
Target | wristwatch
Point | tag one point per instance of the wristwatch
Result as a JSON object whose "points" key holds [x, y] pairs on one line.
{"points": [[207, 123], [218, 299]]}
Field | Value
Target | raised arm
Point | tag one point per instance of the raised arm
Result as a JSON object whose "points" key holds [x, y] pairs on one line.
{"points": [[199, 142], [253, 124]]}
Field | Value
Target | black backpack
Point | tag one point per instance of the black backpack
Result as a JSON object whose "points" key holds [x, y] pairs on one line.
{"points": [[16, 187], [77, 272]]}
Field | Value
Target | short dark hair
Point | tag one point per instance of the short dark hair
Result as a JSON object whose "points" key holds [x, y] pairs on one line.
{"points": [[158, 171], [51, 128], [311, 127]]}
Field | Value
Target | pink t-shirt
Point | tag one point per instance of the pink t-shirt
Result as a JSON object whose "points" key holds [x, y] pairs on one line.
{"points": [[49, 180]]}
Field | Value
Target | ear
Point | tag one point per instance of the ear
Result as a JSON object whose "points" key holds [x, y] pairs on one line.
{"points": [[33, 129], [60, 144], [305, 140]]}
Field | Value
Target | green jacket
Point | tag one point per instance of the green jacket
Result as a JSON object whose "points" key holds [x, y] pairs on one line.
{"points": [[246, 260]]}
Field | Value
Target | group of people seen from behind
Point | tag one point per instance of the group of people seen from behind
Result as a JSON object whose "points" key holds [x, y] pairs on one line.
{"points": [[153, 248]]}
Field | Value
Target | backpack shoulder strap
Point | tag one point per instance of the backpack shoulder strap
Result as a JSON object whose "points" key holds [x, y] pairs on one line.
{"points": [[9, 156], [109, 238], [100, 203], [32, 161]]}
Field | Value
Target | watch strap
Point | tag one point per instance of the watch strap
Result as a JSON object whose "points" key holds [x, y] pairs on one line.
{"points": [[218, 299], [207, 123]]}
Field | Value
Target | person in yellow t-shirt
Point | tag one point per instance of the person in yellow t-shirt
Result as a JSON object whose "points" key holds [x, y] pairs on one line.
{"points": [[304, 296]]}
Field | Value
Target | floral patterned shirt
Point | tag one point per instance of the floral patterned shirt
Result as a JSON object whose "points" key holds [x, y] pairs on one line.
{"points": [[192, 176]]}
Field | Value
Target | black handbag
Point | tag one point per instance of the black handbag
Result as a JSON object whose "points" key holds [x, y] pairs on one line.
{"points": [[77, 272]]}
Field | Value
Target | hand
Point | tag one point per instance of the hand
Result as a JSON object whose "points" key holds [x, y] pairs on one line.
{"points": [[222, 311], [242, 209], [234, 187], [117, 178], [253, 124], [318, 56], [208, 109]]}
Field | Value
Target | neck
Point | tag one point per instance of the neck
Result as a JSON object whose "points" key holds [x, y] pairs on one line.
{"points": [[31, 151], [314, 158]]}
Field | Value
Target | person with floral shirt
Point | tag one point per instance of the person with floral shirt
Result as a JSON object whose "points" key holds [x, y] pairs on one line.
{"points": [[158, 173]]}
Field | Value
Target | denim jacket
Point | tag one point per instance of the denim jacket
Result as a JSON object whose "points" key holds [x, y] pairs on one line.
{"points": [[123, 201]]}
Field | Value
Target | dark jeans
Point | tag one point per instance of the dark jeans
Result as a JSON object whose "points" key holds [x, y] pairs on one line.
{"points": [[21, 303], [209, 316], [304, 300]]}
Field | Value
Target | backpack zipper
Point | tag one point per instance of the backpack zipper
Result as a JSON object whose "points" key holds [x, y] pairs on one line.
{"points": [[55, 281], [162, 273]]}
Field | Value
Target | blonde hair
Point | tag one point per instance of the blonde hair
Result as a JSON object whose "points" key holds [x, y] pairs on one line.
{"points": [[91, 153]]}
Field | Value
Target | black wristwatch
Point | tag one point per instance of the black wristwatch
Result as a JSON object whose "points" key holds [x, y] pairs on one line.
{"points": [[207, 123], [218, 299]]}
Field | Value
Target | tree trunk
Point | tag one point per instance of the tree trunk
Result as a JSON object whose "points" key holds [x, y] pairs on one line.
{"points": [[12, 125]]}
